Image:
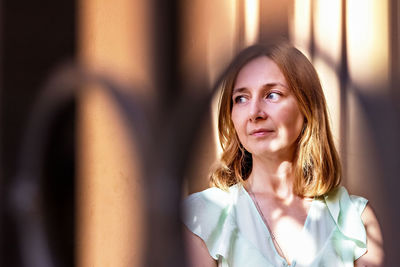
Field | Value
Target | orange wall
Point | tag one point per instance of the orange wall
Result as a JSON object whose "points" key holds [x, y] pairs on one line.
{"points": [[113, 40]]}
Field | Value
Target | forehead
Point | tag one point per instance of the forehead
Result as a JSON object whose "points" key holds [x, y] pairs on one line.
{"points": [[259, 71]]}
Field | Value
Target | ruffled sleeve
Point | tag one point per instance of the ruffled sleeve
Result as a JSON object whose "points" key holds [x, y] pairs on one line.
{"points": [[208, 214], [346, 211]]}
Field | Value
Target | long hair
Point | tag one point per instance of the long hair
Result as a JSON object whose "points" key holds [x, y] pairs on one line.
{"points": [[317, 167]]}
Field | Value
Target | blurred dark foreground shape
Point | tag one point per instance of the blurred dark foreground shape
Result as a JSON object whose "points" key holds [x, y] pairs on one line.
{"points": [[96, 153]]}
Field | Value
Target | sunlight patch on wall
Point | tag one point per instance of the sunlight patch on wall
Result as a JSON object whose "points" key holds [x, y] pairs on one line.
{"points": [[300, 26], [327, 29], [252, 21], [368, 42]]}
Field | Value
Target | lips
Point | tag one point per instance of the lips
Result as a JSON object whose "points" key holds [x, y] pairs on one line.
{"points": [[261, 132]]}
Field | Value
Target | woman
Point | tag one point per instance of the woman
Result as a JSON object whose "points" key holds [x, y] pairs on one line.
{"points": [[277, 199]]}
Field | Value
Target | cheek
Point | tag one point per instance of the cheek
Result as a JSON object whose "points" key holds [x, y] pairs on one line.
{"points": [[297, 121], [293, 120]]}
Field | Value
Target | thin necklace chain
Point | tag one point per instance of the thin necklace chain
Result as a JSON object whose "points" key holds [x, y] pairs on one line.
{"points": [[266, 224]]}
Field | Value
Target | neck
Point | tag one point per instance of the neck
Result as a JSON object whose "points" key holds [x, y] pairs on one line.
{"points": [[272, 176]]}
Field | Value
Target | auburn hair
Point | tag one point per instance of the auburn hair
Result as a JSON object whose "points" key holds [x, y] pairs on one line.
{"points": [[317, 167]]}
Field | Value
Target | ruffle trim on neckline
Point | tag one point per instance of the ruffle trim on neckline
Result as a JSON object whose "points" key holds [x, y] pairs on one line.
{"points": [[347, 216], [210, 216]]}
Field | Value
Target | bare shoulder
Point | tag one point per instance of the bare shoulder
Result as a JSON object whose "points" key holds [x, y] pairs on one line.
{"points": [[196, 250], [374, 257]]}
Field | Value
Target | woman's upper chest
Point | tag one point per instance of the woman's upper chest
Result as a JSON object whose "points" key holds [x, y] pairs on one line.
{"points": [[322, 238], [300, 230], [285, 222]]}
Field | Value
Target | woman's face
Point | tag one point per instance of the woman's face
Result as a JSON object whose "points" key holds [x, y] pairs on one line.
{"points": [[265, 112]]}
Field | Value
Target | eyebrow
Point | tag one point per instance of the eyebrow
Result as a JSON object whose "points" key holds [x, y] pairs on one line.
{"points": [[267, 85]]}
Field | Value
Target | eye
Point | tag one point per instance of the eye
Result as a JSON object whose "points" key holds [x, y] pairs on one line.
{"points": [[239, 99], [274, 96]]}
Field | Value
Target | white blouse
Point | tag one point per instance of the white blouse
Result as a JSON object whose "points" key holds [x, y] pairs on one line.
{"points": [[229, 223]]}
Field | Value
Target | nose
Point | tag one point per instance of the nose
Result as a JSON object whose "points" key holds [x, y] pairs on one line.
{"points": [[257, 111]]}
